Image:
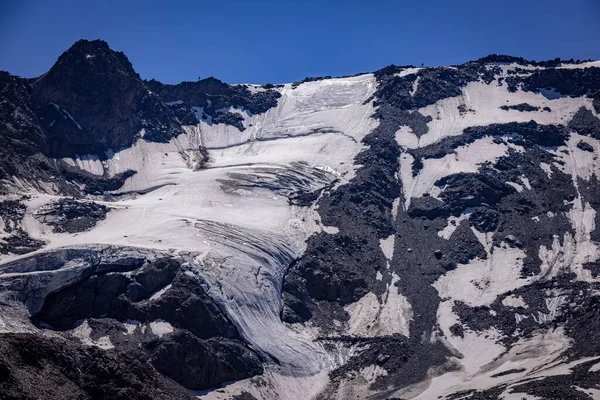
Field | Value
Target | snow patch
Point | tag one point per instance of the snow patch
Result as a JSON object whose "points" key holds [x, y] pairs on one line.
{"points": [[514, 301], [83, 332], [454, 222], [387, 246], [160, 327], [481, 281], [369, 317]]}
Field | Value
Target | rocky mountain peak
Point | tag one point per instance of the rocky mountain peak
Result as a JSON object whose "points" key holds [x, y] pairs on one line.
{"points": [[92, 100], [94, 57]]}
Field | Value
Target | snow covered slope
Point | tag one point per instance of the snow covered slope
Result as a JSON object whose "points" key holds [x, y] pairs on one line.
{"points": [[412, 233]]}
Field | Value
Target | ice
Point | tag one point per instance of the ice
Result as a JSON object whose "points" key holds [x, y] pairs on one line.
{"points": [[387, 246], [453, 223], [514, 301], [408, 71], [160, 292], [131, 326]]}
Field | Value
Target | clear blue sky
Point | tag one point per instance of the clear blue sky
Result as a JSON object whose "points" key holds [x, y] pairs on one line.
{"points": [[281, 41]]}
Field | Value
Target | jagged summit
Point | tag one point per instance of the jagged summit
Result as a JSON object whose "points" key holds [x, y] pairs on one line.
{"points": [[92, 100], [94, 55]]}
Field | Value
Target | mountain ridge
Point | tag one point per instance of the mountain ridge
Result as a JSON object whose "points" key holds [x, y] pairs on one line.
{"points": [[417, 232]]}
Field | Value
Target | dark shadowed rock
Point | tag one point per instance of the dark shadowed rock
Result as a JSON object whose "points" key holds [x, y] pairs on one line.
{"points": [[15, 240], [34, 367], [585, 146], [200, 364], [523, 107], [214, 96], [68, 215], [92, 100], [585, 123]]}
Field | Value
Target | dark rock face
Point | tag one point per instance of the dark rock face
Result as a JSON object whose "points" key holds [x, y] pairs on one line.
{"points": [[570, 82], [27, 143], [230, 118], [339, 269], [543, 135], [68, 215], [585, 123], [324, 273], [204, 349], [596, 101], [506, 210], [466, 190], [201, 364], [506, 59], [20, 133], [428, 207], [92, 100], [17, 241], [184, 304], [213, 96], [585, 146], [310, 79], [464, 246], [433, 84], [523, 107], [87, 182], [21, 136], [34, 367]]}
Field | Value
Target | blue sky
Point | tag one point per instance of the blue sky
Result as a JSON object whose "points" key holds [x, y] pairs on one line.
{"points": [[282, 41]]}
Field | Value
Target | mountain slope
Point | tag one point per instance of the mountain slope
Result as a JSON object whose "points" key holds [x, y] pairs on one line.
{"points": [[411, 233]]}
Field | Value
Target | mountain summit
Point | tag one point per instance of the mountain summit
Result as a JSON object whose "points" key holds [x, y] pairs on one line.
{"points": [[93, 101]]}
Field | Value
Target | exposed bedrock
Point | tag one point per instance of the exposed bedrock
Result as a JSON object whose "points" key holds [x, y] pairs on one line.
{"points": [[15, 239], [98, 102], [98, 295], [340, 269], [33, 366], [69, 215]]}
